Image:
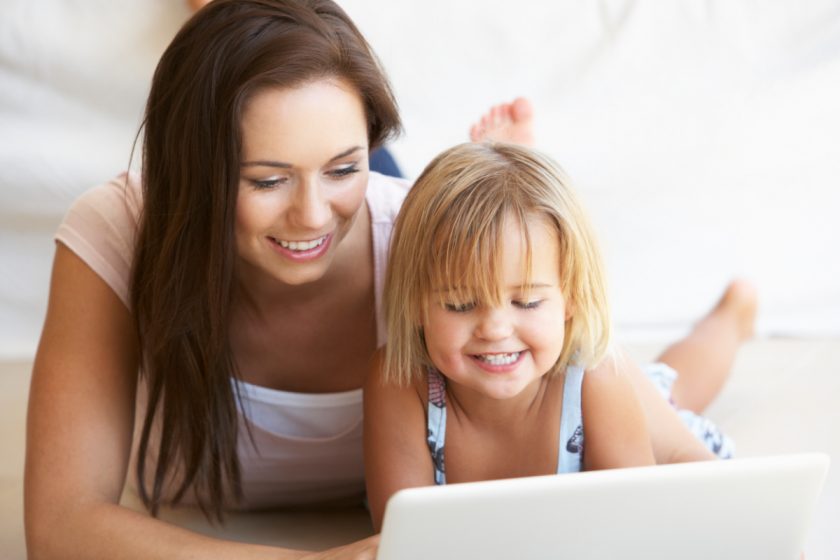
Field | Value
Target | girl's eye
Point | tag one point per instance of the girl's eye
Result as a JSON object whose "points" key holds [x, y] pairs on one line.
{"points": [[528, 304], [343, 171], [459, 307], [266, 184]]}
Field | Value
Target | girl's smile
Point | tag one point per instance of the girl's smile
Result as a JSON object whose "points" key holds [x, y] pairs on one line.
{"points": [[498, 350], [499, 362]]}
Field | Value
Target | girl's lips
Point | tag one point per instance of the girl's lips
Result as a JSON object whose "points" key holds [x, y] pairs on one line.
{"points": [[503, 367], [301, 256]]}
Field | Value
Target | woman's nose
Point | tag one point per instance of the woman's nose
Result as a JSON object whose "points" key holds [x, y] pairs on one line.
{"points": [[311, 210]]}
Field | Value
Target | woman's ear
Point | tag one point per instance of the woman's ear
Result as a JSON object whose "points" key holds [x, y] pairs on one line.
{"points": [[570, 309]]}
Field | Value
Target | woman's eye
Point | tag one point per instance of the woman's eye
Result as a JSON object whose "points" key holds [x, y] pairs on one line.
{"points": [[459, 307], [528, 304], [343, 171], [265, 184]]}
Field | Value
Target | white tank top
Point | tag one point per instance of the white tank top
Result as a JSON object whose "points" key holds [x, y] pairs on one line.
{"points": [[306, 448]]}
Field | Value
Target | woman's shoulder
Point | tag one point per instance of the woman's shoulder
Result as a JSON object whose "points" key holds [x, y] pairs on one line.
{"points": [[385, 195], [120, 196], [100, 228]]}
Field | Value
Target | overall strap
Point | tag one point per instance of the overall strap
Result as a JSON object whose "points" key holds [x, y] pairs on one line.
{"points": [[570, 452], [436, 426]]}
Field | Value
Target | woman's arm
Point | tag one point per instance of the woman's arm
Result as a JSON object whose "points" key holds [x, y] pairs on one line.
{"points": [[614, 426], [79, 430], [396, 454]]}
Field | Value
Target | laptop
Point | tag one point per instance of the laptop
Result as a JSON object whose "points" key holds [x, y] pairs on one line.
{"points": [[746, 509]]}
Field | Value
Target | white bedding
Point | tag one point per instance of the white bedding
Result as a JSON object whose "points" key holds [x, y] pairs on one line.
{"points": [[702, 134]]}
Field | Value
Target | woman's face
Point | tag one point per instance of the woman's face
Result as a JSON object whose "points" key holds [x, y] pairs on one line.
{"points": [[303, 178]]}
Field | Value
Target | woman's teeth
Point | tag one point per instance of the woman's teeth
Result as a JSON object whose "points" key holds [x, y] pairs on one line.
{"points": [[301, 245], [499, 359]]}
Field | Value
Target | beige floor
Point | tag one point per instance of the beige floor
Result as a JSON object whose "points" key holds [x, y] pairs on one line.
{"points": [[783, 398]]}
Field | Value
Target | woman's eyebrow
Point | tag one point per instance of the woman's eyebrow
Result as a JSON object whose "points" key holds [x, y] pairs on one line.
{"points": [[284, 165], [347, 152], [266, 163]]}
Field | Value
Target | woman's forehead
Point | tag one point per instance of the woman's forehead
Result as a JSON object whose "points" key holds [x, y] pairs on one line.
{"points": [[319, 119]]}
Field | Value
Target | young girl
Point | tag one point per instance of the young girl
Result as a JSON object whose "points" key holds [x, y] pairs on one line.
{"points": [[498, 362]]}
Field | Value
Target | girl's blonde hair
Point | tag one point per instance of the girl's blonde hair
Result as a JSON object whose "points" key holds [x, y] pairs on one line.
{"points": [[448, 233]]}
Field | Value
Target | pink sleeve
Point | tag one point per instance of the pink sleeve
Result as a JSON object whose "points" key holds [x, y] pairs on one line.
{"points": [[100, 228]]}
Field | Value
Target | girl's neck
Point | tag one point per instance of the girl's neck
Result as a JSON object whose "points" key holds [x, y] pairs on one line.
{"points": [[468, 405]]}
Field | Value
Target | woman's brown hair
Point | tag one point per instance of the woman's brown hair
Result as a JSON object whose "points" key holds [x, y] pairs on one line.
{"points": [[183, 271]]}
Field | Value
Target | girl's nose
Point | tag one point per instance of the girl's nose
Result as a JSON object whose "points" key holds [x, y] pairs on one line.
{"points": [[311, 210], [494, 324]]}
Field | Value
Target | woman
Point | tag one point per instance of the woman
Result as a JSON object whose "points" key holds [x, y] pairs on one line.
{"points": [[249, 257], [242, 283]]}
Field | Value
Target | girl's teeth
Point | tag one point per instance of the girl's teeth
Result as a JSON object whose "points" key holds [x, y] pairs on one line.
{"points": [[301, 245], [499, 359]]}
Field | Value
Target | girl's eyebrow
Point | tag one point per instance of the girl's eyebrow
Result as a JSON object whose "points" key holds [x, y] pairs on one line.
{"points": [[284, 165], [519, 287]]}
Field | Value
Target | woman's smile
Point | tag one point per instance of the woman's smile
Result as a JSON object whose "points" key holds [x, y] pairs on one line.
{"points": [[302, 250]]}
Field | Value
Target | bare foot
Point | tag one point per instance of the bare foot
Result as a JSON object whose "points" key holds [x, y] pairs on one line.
{"points": [[506, 122], [196, 5], [741, 303]]}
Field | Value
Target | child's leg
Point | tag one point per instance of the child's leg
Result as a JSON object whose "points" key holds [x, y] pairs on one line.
{"points": [[704, 358]]}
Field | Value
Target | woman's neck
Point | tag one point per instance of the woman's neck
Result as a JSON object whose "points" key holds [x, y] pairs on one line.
{"points": [[296, 338]]}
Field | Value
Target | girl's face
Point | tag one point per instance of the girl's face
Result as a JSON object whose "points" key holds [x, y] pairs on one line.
{"points": [[499, 351], [303, 178]]}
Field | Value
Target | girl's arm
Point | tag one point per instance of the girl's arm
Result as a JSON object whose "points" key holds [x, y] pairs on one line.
{"points": [[79, 430], [396, 454], [614, 426]]}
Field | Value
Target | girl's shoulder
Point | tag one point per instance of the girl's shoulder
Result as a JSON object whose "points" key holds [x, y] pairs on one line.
{"points": [[603, 382]]}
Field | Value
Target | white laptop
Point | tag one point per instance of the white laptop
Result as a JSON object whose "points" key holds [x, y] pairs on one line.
{"points": [[745, 509]]}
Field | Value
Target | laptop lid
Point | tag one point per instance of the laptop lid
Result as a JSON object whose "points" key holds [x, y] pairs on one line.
{"points": [[740, 508]]}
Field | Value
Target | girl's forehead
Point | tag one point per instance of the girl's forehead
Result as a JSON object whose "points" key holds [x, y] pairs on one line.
{"points": [[523, 258]]}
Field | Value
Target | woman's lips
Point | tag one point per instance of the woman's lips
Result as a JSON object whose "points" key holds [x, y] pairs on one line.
{"points": [[301, 250]]}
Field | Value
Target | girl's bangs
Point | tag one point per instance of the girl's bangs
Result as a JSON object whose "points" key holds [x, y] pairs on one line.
{"points": [[467, 264]]}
